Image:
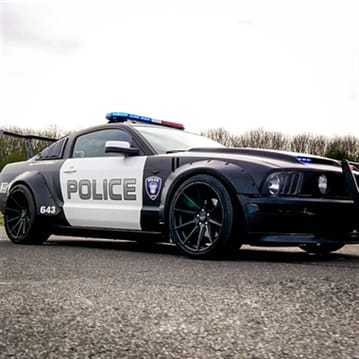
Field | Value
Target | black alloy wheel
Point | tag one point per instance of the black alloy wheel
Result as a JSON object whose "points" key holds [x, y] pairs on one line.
{"points": [[20, 217], [201, 217]]}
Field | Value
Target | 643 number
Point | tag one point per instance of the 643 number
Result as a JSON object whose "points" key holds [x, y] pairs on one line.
{"points": [[48, 209]]}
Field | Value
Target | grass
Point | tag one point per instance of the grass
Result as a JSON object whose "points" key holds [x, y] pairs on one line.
{"points": [[1, 219]]}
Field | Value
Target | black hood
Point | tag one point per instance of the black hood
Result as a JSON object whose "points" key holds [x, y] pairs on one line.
{"points": [[293, 158]]}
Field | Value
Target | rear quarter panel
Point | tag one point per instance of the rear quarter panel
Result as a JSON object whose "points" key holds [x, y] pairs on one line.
{"points": [[42, 178]]}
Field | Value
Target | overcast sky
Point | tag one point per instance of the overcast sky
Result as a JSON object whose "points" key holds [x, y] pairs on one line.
{"points": [[284, 65]]}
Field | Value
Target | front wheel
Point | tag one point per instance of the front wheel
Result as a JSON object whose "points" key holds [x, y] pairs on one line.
{"points": [[21, 223], [321, 248], [202, 217]]}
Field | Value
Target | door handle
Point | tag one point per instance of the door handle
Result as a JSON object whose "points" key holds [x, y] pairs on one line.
{"points": [[70, 170]]}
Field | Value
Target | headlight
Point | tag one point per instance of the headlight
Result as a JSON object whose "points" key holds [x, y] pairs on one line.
{"points": [[323, 184], [282, 183], [274, 182]]}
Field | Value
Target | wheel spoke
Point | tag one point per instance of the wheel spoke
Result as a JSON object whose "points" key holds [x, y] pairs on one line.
{"points": [[218, 204], [10, 220], [19, 228], [209, 233], [182, 225], [185, 211], [23, 228], [13, 210], [26, 223], [186, 238], [12, 198], [200, 237], [15, 226], [216, 223], [190, 202]]}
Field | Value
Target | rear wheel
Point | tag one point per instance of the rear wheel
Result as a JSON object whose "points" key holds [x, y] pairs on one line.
{"points": [[21, 222], [202, 217], [321, 248]]}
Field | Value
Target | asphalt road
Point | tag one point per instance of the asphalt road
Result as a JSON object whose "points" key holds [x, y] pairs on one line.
{"points": [[105, 299]]}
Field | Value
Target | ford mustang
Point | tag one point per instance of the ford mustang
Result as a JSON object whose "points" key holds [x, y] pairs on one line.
{"points": [[145, 179]]}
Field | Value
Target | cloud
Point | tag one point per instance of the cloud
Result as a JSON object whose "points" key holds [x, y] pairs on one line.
{"points": [[248, 64], [35, 26]]}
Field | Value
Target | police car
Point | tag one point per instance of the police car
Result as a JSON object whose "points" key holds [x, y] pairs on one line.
{"points": [[141, 178]]}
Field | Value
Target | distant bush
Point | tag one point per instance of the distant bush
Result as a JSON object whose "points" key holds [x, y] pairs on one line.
{"points": [[340, 147]]}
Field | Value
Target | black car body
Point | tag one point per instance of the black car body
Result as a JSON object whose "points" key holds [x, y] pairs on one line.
{"points": [[139, 178]]}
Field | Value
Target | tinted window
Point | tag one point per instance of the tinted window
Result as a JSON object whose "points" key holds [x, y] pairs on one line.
{"points": [[93, 144], [54, 151]]}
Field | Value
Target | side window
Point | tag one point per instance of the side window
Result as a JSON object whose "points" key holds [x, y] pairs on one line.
{"points": [[54, 151], [93, 144]]}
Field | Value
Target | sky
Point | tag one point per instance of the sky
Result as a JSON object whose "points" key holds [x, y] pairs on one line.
{"points": [[281, 65]]}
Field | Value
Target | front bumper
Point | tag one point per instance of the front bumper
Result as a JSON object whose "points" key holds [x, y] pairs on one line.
{"points": [[321, 217], [304, 220]]}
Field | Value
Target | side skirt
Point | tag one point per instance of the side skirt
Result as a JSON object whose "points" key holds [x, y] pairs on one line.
{"points": [[107, 234]]}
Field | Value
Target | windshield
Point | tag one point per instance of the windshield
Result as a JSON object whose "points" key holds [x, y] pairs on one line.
{"points": [[165, 140]]}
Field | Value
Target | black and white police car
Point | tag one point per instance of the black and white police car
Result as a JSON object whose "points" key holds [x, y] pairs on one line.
{"points": [[141, 178]]}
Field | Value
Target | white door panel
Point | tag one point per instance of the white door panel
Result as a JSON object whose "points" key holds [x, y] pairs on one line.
{"points": [[103, 192]]}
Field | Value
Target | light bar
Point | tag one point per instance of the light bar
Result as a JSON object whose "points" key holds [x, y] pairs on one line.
{"points": [[304, 160], [114, 117]]}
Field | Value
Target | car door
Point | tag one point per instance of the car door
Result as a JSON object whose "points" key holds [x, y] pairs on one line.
{"points": [[101, 190]]}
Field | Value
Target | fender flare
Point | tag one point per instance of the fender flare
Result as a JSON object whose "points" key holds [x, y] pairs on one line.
{"points": [[37, 184], [235, 179]]}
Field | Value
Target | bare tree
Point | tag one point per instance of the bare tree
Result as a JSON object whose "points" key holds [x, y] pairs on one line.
{"points": [[338, 147]]}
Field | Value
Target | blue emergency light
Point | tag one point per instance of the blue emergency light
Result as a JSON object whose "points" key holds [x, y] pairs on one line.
{"points": [[114, 117], [304, 160]]}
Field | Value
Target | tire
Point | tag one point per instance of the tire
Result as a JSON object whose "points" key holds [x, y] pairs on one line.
{"points": [[202, 217], [321, 248], [21, 223]]}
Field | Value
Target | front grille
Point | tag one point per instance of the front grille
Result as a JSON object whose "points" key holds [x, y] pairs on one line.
{"points": [[291, 184]]}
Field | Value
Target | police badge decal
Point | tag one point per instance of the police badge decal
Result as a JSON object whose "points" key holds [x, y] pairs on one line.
{"points": [[153, 186]]}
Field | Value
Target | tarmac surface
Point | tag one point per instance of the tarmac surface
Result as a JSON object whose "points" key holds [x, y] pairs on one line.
{"points": [[75, 298]]}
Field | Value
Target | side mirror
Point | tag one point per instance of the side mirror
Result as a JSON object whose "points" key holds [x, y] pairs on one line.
{"points": [[122, 147]]}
